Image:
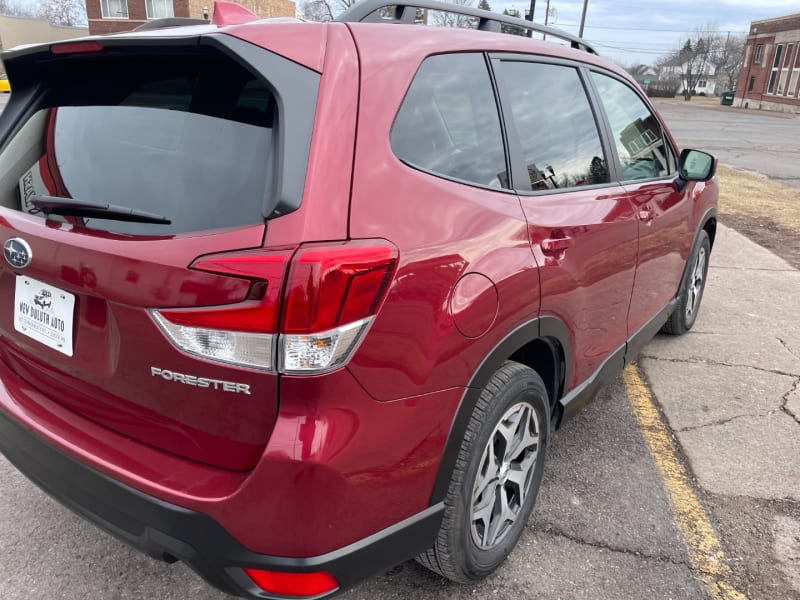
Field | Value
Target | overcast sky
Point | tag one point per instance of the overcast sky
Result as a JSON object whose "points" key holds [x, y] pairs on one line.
{"points": [[639, 32], [630, 32]]}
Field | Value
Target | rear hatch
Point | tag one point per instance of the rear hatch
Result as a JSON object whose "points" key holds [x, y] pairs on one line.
{"points": [[135, 174]]}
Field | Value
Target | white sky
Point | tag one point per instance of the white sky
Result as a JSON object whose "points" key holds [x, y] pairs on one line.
{"points": [[631, 32]]}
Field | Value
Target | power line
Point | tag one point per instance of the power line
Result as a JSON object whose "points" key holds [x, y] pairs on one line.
{"points": [[642, 29]]}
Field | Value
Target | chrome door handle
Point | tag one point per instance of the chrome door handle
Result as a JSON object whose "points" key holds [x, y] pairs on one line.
{"points": [[556, 245], [645, 216]]}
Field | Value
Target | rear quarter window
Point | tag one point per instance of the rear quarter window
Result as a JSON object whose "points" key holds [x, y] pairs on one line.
{"points": [[448, 123]]}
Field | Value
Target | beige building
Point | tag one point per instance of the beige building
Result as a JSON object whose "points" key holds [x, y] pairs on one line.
{"points": [[16, 31]]}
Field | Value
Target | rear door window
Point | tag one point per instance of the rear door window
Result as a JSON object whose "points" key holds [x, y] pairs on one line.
{"points": [[188, 137], [557, 130]]}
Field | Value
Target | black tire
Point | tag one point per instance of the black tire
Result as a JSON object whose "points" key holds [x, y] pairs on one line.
{"points": [[514, 390], [692, 288]]}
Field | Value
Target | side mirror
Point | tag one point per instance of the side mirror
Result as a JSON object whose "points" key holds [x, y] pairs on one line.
{"points": [[695, 165]]}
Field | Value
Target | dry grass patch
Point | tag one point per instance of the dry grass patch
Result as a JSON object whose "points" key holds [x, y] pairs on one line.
{"points": [[755, 196], [765, 211]]}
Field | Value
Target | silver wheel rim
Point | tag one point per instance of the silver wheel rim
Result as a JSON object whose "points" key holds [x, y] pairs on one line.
{"points": [[696, 284], [505, 475]]}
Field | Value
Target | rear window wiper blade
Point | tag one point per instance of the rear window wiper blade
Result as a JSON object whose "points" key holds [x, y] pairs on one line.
{"points": [[70, 207]]}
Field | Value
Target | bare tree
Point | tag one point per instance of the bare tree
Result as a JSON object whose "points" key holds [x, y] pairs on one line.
{"points": [[694, 60], [638, 70], [317, 10], [16, 8], [324, 10], [726, 56], [63, 12], [444, 19]]}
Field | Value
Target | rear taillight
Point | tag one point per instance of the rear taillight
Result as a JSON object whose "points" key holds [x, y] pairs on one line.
{"points": [[330, 296]]}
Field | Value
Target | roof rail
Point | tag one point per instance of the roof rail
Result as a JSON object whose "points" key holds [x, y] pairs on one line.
{"points": [[366, 11], [170, 22]]}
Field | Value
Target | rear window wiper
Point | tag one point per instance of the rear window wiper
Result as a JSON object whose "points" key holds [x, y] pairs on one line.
{"points": [[69, 207]]}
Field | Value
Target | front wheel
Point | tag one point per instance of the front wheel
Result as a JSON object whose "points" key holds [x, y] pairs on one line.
{"points": [[694, 283], [496, 478]]}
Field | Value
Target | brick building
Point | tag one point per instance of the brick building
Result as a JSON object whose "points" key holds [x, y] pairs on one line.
{"points": [[112, 16], [770, 74]]}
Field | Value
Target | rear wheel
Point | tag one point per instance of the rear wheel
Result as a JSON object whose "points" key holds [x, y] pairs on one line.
{"points": [[496, 478], [685, 314]]}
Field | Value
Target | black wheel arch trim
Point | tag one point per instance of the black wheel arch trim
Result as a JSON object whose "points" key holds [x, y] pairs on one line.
{"points": [[710, 214], [547, 329]]}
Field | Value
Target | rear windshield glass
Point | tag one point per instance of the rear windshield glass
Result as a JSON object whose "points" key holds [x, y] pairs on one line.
{"points": [[186, 137]]}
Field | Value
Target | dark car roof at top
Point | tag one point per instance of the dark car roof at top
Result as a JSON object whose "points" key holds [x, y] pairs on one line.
{"points": [[304, 42]]}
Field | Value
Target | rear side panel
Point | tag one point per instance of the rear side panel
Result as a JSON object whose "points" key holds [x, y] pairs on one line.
{"points": [[431, 333]]}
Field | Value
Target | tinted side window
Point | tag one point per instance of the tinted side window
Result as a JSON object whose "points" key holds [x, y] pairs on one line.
{"points": [[555, 123], [637, 133], [448, 123]]}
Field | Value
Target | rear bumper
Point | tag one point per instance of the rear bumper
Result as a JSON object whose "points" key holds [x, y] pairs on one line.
{"points": [[169, 532]]}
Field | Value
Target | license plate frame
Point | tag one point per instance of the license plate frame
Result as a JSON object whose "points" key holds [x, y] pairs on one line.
{"points": [[44, 313]]}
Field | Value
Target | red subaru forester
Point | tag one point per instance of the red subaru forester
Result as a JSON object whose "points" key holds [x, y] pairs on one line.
{"points": [[295, 302]]}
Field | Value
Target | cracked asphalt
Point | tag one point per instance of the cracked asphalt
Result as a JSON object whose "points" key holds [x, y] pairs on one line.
{"points": [[604, 526]]}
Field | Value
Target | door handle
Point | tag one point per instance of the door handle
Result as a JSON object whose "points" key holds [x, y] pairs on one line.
{"points": [[556, 245], [645, 216]]}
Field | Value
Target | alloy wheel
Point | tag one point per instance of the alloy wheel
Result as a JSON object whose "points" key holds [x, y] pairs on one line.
{"points": [[504, 475]]}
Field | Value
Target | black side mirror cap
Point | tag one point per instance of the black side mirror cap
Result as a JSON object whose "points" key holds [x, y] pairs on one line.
{"points": [[696, 165]]}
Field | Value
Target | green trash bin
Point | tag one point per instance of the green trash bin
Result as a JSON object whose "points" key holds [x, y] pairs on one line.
{"points": [[727, 98]]}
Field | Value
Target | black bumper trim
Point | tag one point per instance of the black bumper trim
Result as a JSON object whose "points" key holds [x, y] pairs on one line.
{"points": [[168, 532]]}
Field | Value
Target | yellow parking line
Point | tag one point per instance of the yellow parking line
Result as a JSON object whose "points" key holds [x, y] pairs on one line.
{"points": [[703, 547]]}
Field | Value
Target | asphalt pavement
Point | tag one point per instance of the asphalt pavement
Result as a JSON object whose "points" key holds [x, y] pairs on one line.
{"points": [[754, 140]]}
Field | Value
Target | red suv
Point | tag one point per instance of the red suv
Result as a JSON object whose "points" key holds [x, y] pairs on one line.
{"points": [[294, 302]]}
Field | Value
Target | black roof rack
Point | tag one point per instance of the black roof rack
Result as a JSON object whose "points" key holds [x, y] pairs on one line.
{"points": [[171, 22], [370, 11]]}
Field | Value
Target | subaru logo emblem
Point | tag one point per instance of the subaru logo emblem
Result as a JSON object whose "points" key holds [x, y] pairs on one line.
{"points": [[17, 252]]}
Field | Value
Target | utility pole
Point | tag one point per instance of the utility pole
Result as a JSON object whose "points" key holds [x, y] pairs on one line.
{"points": [[583, 17], [530, 16], [546, 18]]}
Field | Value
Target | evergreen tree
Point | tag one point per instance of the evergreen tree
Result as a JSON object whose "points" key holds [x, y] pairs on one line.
{"points": [[511, 28]]}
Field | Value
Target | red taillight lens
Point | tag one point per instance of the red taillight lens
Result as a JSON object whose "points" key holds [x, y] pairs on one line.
{"points": [[334, 284], [76, 47], [293, 584], [256, 316]]}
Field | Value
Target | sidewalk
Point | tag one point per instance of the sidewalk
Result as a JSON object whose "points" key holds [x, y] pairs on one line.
{"points": [[730, 389]]}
